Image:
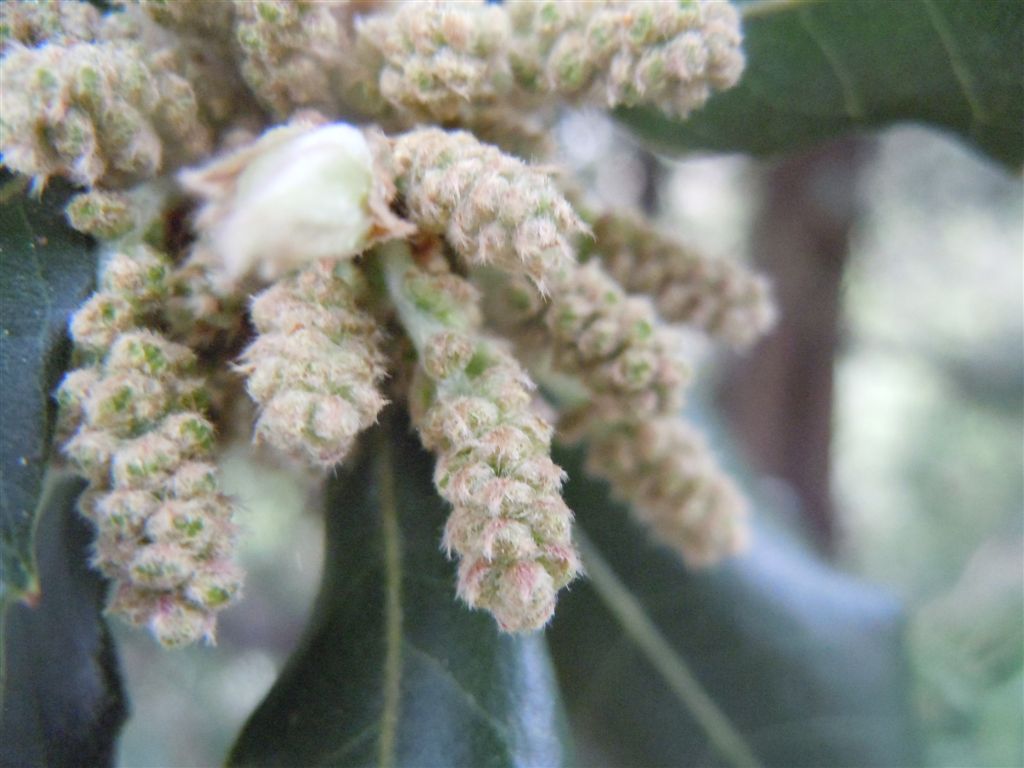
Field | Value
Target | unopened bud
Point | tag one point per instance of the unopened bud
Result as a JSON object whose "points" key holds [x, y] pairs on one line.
{"points": [[298, 194]]}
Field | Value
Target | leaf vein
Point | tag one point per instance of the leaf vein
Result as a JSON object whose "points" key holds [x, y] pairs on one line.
{"points": [[769, 7], [392, 673], [957, 63], [639, 627], [467, 695], [852, 102], [334, 757]]}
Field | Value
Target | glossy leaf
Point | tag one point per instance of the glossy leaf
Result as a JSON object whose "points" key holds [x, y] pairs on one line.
{"points": [[62, 702], [393, 671], [817, 69], [801, 665], [46, 271]]}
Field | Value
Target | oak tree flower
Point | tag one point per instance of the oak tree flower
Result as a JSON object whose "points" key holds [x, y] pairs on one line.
{"points": [[718, 296], [471, 404], [315, 365], [491, 207]]}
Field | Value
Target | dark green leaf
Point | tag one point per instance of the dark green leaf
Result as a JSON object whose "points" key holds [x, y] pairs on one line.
{"points": [[803, 666], [46, 271], [816, 70], [393, 671], [62, 701]]}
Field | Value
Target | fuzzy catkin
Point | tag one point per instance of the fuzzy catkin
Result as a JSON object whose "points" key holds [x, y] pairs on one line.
{"points": [[96, 114], [470, 401], [718, 296], [316, 366], [194, 39], [443, 62], [291, 52], [664, 470], [212, 21], [436, 61], [132, 286], [613, 343], [491, 208], [32, 24], [667, 55], [165, 534]]}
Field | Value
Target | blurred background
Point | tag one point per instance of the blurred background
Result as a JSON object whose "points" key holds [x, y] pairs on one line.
{"points": [[883, 422]]}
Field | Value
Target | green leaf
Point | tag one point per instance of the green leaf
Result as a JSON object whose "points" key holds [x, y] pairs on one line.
{"points": [[62, 702], [393, 671], [46, 271], [772, 658], [816, 70]]}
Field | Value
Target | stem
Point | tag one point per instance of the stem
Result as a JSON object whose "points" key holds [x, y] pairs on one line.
{"points": [[652, 643], [397, 260]]}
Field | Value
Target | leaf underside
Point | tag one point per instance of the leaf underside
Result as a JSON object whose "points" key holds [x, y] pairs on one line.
{"points": [[817, 69], [46, 271], [807, 665], [394, 671], [62, 703]]}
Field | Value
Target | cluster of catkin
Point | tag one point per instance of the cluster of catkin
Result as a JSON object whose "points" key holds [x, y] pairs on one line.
{"points": [[630, 365], [320, 247], [115, 99]]}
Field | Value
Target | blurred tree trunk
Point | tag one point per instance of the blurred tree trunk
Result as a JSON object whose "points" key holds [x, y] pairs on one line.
{"points": [[778, 398]]}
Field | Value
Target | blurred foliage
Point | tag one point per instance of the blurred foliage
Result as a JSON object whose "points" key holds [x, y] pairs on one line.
{"points": [[819, 68], [930, 441], [806, 667]]}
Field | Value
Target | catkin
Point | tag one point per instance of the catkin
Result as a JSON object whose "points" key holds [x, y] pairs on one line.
{"points": [[664, 470], [612, 343], [134, 424], [718, 296], [316, 364], [102, 214], [670, 56], [291, 52], [32, 24], [491, 208], [96, 114], [470, 401], [436, 61], [200, 18]]}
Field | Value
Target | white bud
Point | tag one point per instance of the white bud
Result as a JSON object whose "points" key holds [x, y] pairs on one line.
{"points": [[298, 194]]}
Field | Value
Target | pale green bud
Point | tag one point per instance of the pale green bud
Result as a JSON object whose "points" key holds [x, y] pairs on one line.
{"points": [[105, 215], [297, 195], [213, 587]]}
